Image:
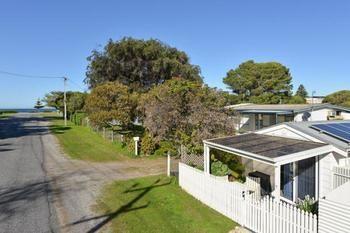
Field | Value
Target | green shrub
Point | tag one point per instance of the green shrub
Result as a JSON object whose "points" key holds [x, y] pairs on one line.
{"points": [[164, 147], [148, 146], [129, 143], [218, 168], [232, 161], [77, 118], [308, 204]]}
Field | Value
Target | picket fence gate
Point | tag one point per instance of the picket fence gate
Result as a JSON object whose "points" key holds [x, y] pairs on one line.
{"points": [[234, 200]]}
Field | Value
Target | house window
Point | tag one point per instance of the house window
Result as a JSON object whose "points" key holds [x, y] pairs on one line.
{"points": [[285, 118], [287, 181], [301, 181], [264, 120], [306, 173]]}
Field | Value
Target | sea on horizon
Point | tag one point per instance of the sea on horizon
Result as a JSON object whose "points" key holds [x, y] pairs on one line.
{"points": [[27, 109]]}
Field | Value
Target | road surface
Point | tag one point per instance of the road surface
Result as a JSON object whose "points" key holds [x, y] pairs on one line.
{"points": [[25, 193], [42, 190]]}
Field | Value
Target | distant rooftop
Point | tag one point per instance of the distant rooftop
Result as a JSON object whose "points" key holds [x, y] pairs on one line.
{"points": [[290, 108], [317, 96]]}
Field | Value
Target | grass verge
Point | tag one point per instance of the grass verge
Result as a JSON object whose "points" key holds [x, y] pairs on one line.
{"points": [[6, 115], [157, 204], [80, 142]]}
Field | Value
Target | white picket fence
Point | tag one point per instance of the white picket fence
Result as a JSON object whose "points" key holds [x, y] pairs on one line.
{"points": [[233, 200], [254, 187], [341, 175]]}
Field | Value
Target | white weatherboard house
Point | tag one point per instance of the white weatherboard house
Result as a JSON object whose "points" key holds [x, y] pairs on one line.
{"points": [[250, 117], [288, 161]]}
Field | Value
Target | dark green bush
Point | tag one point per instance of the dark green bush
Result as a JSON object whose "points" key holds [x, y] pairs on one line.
{"points": [[129, 143], [148, 145], [77, 118], [164, 147], [232, 161], [218, 168]]}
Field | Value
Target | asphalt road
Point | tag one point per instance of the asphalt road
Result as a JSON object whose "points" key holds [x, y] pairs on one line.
{"points": [[25, 190], [43, 190]]}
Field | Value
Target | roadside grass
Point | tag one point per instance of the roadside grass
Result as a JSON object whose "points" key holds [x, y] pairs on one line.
{"points": [[156, 204], [80, 142], [6, 115]]}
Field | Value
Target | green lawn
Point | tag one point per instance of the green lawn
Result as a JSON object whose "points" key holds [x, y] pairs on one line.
{"points": [[80, 142], [6, 115], [157, 204]]}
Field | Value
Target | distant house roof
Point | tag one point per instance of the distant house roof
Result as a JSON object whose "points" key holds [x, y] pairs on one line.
{"points": [[270, 149], [282, 108], [316, 97]]}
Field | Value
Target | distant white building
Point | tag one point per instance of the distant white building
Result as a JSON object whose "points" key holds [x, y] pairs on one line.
{"points": [[250, 117], [314, 99]]}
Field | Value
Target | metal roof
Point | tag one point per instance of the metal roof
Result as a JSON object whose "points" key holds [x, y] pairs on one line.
{"points": [[305, 127], [283, 108], [270, 147]]}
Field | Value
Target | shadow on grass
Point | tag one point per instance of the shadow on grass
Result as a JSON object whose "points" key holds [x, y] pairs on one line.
{"points": [[56, 128], [51, 118], [128, 207], [59, 129]]}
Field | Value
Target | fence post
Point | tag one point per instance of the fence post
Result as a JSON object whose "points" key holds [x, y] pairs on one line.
{"points": [[112, 136], [168, 164], [104, 132], [136, 139]]}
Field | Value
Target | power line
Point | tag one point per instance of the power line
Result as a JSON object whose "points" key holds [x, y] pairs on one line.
{"points": [[44, 77], [40, 77], [29, 76], [76, 84]]}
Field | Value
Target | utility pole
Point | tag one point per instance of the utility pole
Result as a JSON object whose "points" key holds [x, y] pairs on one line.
{"points": [[65, 100]]}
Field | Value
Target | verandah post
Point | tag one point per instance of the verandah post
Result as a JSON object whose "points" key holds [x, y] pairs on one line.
{"points": [[277, 189], [206, 159]]}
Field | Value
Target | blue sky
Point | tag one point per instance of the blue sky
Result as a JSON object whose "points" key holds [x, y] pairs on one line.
{"points": [[55, 37]]}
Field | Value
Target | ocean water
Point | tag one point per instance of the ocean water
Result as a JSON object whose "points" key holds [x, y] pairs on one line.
{"points": [[27, 109]]}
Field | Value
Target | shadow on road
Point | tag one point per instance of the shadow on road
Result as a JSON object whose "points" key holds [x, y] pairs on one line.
{"points": [[14, 127], [12, 199], [124, 208]]}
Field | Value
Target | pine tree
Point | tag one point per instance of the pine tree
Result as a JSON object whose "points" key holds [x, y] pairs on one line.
{"points": [[301, 91], [38, 105]]}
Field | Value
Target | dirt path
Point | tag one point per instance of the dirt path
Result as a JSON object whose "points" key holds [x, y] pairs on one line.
{"points": [[77, 184]]}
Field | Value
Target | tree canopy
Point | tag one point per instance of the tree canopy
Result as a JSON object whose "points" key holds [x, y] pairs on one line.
{"points": [[109, 102], [341, 98], [301, 91], [296, 99], [139, 64], [75, 100], [185, 112], [260, 82], [55, 99]]}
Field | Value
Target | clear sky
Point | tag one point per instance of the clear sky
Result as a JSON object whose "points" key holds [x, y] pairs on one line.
{"points": [[312, 38]]}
